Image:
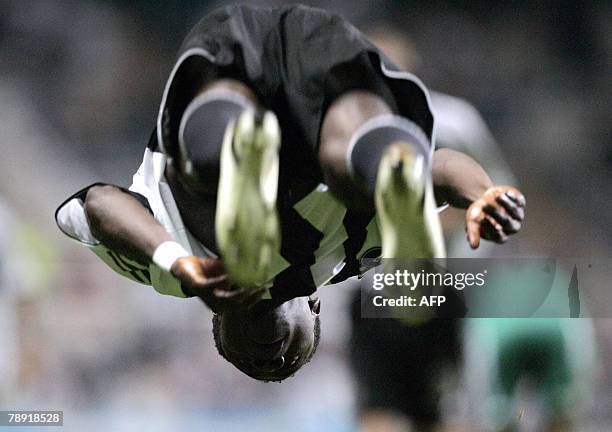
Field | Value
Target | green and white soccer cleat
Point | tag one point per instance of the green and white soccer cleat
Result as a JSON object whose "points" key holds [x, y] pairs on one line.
{"points": [[246, 223], [405, 205]]}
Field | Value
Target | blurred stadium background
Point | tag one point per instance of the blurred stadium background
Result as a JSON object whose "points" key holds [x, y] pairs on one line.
{"points": [[80, 84]]}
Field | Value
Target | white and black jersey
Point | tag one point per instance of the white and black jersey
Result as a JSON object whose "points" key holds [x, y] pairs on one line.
{"points": [[297, 60], [318, 236]]}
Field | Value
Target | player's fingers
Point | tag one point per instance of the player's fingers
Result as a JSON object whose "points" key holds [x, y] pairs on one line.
{"points": [[225, 293], [499, 214], [212, 267], [199, 273], [239, 295], [514, 209], [473, 219], [237, 299], [203, 284], [493, 230], [219, 303], [488, 231], [473, 234], [515, 195], [230, 292]]}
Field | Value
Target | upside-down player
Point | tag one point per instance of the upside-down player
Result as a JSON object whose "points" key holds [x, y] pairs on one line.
{"points": [[251, 220]]}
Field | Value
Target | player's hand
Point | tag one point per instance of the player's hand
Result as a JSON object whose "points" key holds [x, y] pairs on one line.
{"points": [[497, 214], [207, 279]]}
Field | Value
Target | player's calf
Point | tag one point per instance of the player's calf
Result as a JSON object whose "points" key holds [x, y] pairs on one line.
{"points": [[202, 128]]}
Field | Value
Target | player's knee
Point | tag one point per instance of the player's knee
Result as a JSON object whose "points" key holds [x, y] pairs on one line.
{"points": [[343, 118]]}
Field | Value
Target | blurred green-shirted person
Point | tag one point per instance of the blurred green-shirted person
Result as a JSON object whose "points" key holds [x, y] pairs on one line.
{"points": [[536, 371], [499, 354]]}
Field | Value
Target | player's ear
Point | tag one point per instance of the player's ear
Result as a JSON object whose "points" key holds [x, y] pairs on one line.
{"points": [[315, 305]]}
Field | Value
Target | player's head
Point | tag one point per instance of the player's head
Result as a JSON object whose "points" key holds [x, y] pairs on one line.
{"points": [[269, 341]]}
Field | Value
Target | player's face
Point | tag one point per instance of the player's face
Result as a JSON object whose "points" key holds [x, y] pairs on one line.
{"points": [[269, 342]]}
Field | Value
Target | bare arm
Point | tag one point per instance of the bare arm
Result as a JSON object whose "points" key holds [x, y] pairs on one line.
{"points": [[458, 179], [122, 224], [493, 212]]}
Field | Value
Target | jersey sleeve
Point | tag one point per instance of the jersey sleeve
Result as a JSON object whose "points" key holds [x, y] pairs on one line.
{"points": [[71, 220]]}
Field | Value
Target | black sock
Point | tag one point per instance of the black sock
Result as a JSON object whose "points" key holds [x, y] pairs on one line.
{"points": [[370, 141], [202, 130]]}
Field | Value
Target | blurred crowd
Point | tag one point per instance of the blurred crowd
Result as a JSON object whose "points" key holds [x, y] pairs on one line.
{"points": [[80, 84]]}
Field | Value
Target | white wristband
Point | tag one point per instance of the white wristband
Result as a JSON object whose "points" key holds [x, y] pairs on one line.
{"points": [[168, 252]]}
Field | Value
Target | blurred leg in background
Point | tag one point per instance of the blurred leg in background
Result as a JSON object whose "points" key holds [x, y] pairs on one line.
{"points": [[402, 369]]}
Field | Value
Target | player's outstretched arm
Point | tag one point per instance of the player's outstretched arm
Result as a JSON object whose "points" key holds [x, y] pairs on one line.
{"points": [[493, 212], [122, 224]]}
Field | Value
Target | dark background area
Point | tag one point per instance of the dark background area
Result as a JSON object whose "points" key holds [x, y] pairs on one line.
{"points": [[80, 85]]}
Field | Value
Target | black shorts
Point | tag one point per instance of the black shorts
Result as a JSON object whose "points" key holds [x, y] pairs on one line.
{"points": [[398, 367], [297, 60]]}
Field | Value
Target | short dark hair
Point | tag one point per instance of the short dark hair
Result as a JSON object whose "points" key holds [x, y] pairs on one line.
{"points": [[216, 322]]}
